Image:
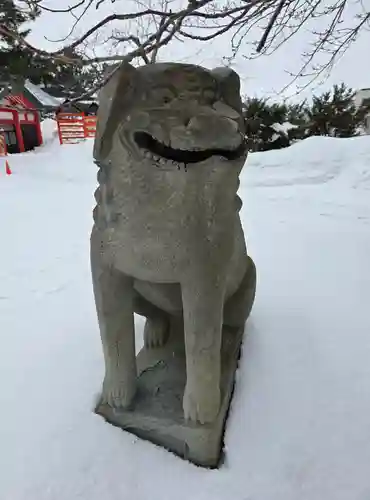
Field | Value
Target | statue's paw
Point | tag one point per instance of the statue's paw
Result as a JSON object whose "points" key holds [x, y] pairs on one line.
{"points": [[118, 394], [201, 403], [156, 332]]}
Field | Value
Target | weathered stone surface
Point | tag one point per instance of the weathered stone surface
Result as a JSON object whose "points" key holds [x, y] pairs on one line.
{"points": [[167, 240], [157, 415]]}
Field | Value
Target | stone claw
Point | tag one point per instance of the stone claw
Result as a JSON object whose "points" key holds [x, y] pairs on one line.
{"points": [[201, 404], [156, 332], [118, 394]]}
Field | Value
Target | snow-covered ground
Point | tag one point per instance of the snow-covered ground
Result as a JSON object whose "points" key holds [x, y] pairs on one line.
{"points": [[299, 426]]}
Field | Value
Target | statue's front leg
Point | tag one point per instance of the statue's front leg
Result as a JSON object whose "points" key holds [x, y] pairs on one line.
{"points": [[114, 303], [203, 311]]}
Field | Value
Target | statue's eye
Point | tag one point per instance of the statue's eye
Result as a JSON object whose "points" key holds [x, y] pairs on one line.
{"points": [[162, 95], [209, 96]]}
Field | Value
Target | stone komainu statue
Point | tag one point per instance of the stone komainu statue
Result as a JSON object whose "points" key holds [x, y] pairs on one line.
{"points": [[167, 237]]}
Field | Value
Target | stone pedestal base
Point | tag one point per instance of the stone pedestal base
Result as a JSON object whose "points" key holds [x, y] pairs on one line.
{"points": [[157, 414]]}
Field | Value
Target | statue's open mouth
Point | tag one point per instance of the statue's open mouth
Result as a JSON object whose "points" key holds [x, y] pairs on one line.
{"points": [[149, 143]]}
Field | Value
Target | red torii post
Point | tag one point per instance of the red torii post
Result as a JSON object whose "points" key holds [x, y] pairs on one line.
{"points": [[18, 130]]}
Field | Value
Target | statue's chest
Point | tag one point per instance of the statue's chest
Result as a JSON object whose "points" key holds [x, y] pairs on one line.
{"points": [[146, 254], [155, 233], [162, 251]]}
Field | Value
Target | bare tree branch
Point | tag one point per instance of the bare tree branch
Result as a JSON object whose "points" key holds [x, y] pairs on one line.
{"points": [[154, 54], [136, 41], [77, 20], [257, 27], [270, 25], [38, 3], [58, 56], [215, 34]]}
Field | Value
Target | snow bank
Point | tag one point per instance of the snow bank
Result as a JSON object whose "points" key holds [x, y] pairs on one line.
{"points": [[49, 130], [315, 160], [298, 427]]}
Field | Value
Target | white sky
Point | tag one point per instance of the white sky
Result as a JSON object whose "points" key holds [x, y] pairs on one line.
{"points": [[265, 76]]}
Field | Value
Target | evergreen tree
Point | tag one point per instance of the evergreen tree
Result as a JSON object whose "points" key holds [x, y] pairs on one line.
{"points": [[267, 125], [297, 115], [14, 59], [17, 62], [334, 113], [277, 125]]}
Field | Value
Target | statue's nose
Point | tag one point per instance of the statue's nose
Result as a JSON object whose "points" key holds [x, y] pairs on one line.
{"points": [[188, 111], [211, 124], [217, 122]]}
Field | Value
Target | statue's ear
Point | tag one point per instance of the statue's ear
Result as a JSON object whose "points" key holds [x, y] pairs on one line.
{"points": [[229, 82], [115, 98]]}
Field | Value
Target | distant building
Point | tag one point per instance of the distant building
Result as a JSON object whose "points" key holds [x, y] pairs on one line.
{"points": [[19, 123], [362, 97], [28, 92], [21, 93]]}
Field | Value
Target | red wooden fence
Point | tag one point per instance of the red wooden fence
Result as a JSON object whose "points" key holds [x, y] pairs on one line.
{"points": [[90, 126], [74, 127]]}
